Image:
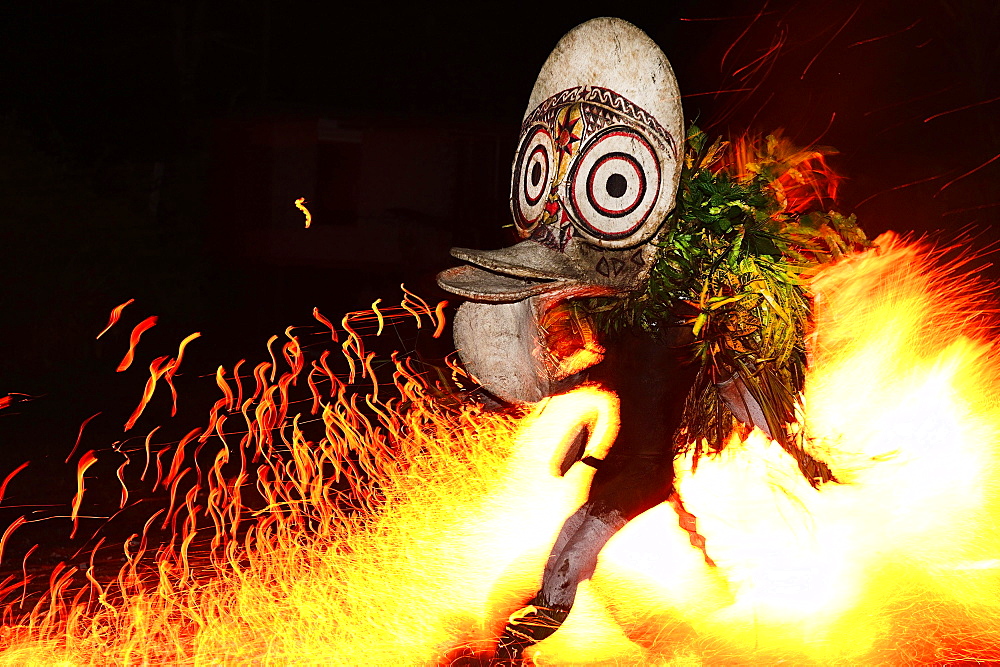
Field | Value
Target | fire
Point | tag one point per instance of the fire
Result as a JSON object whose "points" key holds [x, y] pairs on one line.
{"points": [[137, 332], [802, 180], [896, 564], [357, 515], [116, 314], [300, 204]]}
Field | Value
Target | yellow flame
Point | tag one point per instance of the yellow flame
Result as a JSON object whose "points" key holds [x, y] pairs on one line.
{"points": [[300, 204], [408, 529]]}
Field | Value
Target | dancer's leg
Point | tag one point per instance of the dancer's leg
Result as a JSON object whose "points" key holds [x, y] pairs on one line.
{"points": [[651, 379], [573, 559]]}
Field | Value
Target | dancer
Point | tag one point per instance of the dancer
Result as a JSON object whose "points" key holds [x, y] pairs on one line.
{"points": [[692, 311]]}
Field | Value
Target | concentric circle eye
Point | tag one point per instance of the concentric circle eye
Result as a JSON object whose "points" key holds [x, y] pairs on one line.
{"points": [[532, 175], [614, 183]]}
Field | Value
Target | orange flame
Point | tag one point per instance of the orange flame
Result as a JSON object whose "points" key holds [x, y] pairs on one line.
{"points": [[174, 365], [400, 529], [86, 461], [116, 314], [10, 476], [17, 523], [299, 204], [79, 435], [800, 177], [133, 340], [157, 369], [322, 318]]}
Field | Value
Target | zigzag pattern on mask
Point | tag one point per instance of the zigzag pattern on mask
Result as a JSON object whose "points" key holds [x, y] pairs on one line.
{"points": [[598, 99]]}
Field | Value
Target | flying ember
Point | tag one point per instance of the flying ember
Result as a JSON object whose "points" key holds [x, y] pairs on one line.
{"points": [[333, 527]]}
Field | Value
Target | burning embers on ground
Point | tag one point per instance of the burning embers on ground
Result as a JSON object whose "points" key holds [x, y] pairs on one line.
{"points": [[336, 507]]}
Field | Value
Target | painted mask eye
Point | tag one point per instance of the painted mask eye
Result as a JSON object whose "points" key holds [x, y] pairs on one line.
{"points": [[532, 175], [614, 183]]}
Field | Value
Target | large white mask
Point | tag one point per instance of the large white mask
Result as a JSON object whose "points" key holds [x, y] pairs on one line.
{"points": [[594, 177]]}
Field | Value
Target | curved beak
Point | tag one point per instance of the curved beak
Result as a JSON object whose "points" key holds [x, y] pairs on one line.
{"points": [[509, 274], [531, 269]]}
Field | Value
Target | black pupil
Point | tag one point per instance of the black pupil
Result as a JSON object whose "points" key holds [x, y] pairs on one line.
{"points": [[616, 185], [536, 174]]}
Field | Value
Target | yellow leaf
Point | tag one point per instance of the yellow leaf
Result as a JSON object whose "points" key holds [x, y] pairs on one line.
{"points": [[717, 302], [699, 323]]}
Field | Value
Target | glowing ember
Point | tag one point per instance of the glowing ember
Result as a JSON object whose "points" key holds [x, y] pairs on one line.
{"points": [[137, 332], [356, 517], [300, 204], [116, 314]]}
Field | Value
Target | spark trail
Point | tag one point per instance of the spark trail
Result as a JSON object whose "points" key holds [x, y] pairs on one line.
{"points": [[314, 520]]}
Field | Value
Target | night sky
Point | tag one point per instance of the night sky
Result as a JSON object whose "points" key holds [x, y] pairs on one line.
{"points": [[95, 95]]}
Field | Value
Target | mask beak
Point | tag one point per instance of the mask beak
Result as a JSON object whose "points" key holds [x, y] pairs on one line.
{"points": [[521, 271]]}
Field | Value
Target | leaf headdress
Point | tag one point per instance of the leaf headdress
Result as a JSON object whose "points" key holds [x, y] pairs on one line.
{"points": [[732, 264]]}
